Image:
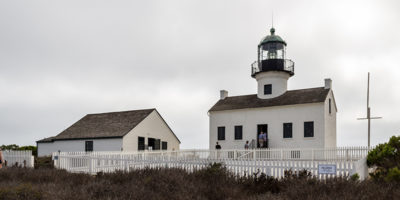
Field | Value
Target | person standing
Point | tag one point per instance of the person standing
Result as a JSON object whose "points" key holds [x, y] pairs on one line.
{"points": [[217, 146], [1, 159], [261, 139], [246, 146], [265, 139]]}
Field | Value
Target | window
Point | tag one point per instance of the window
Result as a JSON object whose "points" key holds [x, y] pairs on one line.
{"points": [[164, 145], [287, 130], [308, 129], [330, 106], [268, 89], [157, 144], [238, 132], [141, 143], [88, 145], [221, 133]]}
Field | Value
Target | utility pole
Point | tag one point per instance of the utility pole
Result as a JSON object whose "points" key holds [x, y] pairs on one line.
{"points": [[369, 116]]}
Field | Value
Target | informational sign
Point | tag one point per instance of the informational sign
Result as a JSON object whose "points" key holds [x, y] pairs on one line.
{"points": [[326, 169]]}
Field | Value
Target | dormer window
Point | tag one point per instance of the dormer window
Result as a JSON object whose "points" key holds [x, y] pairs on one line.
{"points": [[268, 89]]}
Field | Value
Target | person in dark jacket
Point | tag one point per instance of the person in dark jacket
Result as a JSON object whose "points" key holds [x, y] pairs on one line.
{"points": [[217, 146]]}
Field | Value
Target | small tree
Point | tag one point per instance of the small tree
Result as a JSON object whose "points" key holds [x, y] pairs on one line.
{"points": [[386, 160], [9, 147]]}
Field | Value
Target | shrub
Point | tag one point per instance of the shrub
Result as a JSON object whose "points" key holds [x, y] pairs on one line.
{"points": [[21, 191], [44, 162], [384, 158], [393, 174], [214, 182], [355, 177]]}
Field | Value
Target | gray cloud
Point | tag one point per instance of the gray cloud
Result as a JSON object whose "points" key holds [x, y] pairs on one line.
{"points": [[60, 60]]}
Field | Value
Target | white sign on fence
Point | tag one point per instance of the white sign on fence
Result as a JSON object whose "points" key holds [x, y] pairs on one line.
{"points": [[326, 169]]}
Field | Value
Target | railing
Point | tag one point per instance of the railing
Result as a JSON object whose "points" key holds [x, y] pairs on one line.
{"points": [[18, 158], [270, 161], [272, 65]]}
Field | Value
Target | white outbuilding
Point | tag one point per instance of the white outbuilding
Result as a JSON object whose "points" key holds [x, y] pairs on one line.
{"points": [[115, 131], [304, 118]]}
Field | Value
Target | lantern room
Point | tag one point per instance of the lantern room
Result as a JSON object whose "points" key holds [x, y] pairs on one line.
{"points": [[272, 47], [272, 56]]}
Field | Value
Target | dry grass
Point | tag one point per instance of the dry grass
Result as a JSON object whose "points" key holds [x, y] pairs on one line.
{"points": [[211, 183]]}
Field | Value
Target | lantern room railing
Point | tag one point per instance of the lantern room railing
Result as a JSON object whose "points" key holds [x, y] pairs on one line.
{"points": [[285, 65]]}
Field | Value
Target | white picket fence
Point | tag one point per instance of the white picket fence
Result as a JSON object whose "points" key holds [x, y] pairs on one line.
{"points": [[19, 158], [272, 162]]}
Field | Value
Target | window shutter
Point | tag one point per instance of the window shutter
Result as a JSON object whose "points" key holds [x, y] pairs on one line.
{"points": [[308, 129], [238, 132], [221, 133], [287, 130]]}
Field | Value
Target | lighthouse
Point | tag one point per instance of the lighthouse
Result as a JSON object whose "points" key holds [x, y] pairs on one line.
{"points": [[272, 70], [274, 117]]}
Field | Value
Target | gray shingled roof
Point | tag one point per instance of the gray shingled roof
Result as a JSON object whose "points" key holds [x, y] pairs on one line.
{"points": [[291, 97], [103, 125]]}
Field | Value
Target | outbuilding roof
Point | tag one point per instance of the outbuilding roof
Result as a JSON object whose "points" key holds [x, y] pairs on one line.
{"points": [[291, 97], [103, 125]]}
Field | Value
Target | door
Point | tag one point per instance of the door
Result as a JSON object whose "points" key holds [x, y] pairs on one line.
{"points": [[262, 128], [150, 142]]}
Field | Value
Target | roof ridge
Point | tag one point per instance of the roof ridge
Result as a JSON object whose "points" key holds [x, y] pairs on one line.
{"points": [[282, 94], [100, 125], [126, 111]]}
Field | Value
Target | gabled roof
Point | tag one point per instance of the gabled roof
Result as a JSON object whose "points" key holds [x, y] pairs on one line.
{"points": [[291, 97], [104, 125]]}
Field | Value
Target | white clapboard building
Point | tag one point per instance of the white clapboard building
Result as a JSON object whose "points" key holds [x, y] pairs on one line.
{"points": [[303, 118], [116, 131]]}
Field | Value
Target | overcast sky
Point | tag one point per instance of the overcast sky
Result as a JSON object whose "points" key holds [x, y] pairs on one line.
{"points": [[60, 60]]}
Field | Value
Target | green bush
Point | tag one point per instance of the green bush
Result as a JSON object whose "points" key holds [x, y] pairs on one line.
{"points": [[385, 158], [355, 177], [393, 174]]}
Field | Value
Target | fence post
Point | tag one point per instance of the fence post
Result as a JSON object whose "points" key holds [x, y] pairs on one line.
{"points": [[56, 158], [126, 163], [90, 164], [32, 161], [281, 154]]}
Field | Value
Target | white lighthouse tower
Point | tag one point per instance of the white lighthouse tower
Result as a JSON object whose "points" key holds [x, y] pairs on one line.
{"points": [[272, 70]]}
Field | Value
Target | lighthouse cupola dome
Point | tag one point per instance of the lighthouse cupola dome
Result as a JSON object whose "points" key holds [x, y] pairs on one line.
{"points": [[272, 38]]}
